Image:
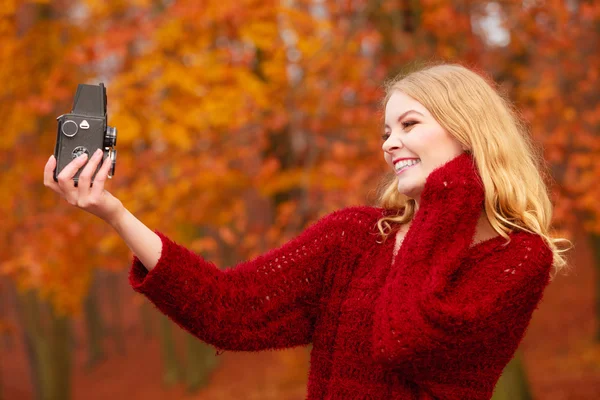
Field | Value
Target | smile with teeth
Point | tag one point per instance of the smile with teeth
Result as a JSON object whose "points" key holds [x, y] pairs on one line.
{"points": [[405, 164]]}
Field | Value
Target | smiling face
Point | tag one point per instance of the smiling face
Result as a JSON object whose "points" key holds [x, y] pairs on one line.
{"points": [[412, 133]]}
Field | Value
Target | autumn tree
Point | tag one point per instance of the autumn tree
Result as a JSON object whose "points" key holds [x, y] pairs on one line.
{"points": [[241, 122]]}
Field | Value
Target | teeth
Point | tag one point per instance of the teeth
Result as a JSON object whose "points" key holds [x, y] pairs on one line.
{"points": [[405, 163]]}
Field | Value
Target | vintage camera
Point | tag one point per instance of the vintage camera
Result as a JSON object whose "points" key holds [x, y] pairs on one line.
{"points": [[85, 130]]}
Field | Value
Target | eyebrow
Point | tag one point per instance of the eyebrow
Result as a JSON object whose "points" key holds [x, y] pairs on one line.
{"points": [[404, 115]]}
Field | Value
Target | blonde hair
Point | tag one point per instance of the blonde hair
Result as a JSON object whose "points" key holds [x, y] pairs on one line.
{"points": [[473, 111]]}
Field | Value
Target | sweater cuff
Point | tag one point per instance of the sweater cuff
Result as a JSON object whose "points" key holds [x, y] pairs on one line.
{"points": [[459, 173], [140, 279]]}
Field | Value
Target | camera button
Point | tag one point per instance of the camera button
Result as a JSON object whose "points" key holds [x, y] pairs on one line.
{"points": [[69, 128]]}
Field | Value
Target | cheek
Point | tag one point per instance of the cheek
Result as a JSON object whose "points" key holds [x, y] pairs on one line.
{"points": [[430, 145], [423, 139]]}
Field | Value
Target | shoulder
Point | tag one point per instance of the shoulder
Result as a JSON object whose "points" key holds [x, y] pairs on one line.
{"points": [[522, 242], [357, 219], [526, 254]]}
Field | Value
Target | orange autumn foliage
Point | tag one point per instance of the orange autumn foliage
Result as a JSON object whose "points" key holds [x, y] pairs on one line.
{"points": [[246, 119]]}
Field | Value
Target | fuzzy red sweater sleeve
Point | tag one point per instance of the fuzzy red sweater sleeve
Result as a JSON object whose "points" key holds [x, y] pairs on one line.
{"points": [[453, 310], [271, 301]]}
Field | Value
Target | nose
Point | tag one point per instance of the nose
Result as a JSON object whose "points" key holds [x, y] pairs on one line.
{"points": [[392, 143]]}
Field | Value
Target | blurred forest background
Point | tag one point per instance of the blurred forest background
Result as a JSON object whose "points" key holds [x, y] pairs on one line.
{"points": [[241, 121]]}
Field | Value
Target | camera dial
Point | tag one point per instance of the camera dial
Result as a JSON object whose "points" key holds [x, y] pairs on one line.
{"points": [[78, 151]]}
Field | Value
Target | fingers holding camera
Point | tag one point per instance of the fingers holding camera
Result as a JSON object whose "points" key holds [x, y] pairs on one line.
{"points": [[64, 184], [65, 179], [85, 177], [101, 176], [49, 174]]}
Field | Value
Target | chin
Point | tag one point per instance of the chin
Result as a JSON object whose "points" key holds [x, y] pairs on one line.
{"points": [[412, 192], [408, 192]]}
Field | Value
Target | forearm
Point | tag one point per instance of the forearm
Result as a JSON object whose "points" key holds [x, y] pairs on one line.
{"points": [[142, 241], [433, 251], [492, 301]]}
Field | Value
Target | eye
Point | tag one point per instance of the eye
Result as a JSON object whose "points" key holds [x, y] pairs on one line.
{"points": [[385, 136], [407, 124]]}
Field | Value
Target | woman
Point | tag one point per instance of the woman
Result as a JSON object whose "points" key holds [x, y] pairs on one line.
{"points": [[434, 312]]}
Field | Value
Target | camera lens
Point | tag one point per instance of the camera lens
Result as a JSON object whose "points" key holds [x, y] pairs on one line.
{"points": [[69, 128], [110, 139]]}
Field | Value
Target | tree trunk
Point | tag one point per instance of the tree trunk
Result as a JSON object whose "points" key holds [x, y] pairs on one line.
{"points": [[48, 339], [201, 361], [595, 242], [94, 326], [28, 316], [172, 370], [513, 384], [59, 362], [114, 299], [34, 374], [1, 390], [146, 314], [7, 339]]}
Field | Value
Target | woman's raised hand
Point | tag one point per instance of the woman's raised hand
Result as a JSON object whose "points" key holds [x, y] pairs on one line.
{"points": [[91, 198]]}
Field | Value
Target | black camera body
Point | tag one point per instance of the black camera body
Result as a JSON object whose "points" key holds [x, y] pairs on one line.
{"points": [[84, 130]]}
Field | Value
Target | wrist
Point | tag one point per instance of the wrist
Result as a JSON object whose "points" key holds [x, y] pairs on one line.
{"points": [[117, 218]]}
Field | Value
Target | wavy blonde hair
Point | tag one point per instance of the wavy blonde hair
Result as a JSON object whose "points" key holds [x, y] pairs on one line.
{"points": [[474, 112]]}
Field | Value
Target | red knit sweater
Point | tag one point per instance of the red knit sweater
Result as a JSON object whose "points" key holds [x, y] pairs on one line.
{"points": [[440, 321]]}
